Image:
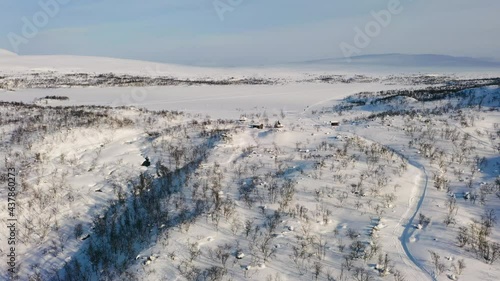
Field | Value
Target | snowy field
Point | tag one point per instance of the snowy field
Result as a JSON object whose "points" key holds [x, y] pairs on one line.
{"points": [[215, 101], [248, 180]]}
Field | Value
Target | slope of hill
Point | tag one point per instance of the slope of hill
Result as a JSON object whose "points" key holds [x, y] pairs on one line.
{"points": [[195, 181], [6, 53], [18, 72]]}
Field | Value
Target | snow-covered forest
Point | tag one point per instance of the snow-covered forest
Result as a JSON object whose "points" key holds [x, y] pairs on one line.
{"points": [[227, 175]]}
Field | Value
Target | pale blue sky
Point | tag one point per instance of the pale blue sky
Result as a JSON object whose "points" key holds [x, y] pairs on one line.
{"points": [[252, 32]]}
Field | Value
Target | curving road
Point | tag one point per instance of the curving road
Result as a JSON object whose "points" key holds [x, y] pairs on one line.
{"points": [[409, 228], [405, 236]]}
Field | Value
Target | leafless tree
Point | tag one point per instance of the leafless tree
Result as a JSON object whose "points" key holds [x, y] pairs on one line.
{"points": [[399, 276], [488, 220], [317, 269], [436, 261], [459, 267], [361, 274], [452, 211]]}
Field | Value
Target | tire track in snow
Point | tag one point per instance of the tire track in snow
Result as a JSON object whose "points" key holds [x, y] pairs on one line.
{"points": [[406, 234], [397, 244]]}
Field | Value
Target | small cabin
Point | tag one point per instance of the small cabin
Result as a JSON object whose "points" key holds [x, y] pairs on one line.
{"points": [[255, 126], [146, 163], [335, 123], [278, 125], [467, 195]]}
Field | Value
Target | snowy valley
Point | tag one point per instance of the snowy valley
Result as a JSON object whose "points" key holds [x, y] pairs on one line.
{"points": [[128, 170]]}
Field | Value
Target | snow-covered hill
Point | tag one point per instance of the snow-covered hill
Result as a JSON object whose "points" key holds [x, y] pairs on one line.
{"points": [[69, 71], [6, 53], [364, 177]]}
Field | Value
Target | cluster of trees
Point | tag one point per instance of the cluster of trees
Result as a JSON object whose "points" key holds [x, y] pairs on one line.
{"points": [[476, 237], [308, 251], [449, 149], [55, 98], [44, 187], [439, 267], [55, 80], [257, 185], [180, 190], [155, 204], [457, 88]]}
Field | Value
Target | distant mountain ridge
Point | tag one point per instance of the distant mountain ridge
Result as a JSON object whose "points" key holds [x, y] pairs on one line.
{"points": [[408, 60], [75, 67]]}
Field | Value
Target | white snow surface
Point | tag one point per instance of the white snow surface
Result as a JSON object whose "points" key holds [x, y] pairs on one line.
{"points": [[99, 158]]}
